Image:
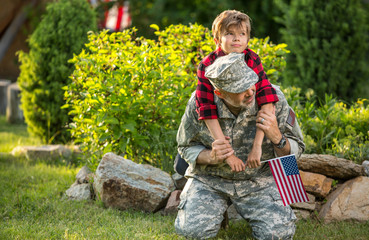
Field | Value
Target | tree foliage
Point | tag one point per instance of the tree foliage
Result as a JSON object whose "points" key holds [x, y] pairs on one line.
{"points": [[128, 94], [167, 12], [331, 126], [328, 42], [45, 69]]}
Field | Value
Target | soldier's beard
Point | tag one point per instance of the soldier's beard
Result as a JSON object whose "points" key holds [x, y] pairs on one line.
{"points": [[235, 108], [250, 105], [242, 105]]}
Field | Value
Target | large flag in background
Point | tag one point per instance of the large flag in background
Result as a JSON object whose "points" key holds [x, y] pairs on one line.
{"points": [[288, 179], [118, 17]]}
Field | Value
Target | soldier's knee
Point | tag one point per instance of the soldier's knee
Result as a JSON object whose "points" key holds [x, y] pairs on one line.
{"points": [[192, 230], [285, 232]]}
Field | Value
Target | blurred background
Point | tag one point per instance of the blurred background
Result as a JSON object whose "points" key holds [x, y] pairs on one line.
{"points": [[316, 50], [267, 19]]}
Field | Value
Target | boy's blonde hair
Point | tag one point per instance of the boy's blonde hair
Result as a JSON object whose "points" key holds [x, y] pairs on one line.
{"points": [[228, 18]]}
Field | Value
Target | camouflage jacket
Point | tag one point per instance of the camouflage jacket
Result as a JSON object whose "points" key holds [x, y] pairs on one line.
{"points": [[193, 137]]}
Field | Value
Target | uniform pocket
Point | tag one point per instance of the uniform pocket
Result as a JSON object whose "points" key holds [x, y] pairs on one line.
{"points": [[275, 195]]}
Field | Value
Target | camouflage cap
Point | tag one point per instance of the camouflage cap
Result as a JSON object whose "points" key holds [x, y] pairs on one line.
{"points": [[231, 73]]}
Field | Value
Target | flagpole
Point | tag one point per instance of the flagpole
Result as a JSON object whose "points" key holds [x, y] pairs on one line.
{"points": [[277, 158]]}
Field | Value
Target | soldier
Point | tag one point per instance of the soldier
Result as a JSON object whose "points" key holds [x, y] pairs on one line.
{"points": [[214, 183]]}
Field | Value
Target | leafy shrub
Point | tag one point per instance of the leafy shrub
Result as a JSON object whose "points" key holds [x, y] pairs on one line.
{"points": [[273, 57], [128, 94], [328, 42], [45, 69], [331, 126]]}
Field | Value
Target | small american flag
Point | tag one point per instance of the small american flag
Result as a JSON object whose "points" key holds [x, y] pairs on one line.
{"points": [[287, 177]]}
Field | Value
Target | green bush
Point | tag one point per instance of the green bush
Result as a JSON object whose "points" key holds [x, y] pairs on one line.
{"points": [[45, 69], [128, 94], [273, 57], [328, 42], [331, 126]]}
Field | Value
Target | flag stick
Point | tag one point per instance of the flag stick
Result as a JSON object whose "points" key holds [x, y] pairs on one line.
{"points": [[276, 158]]}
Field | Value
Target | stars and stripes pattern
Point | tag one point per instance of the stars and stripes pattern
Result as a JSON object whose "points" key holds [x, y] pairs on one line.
{"points": [[288, 179], [118, 17]]}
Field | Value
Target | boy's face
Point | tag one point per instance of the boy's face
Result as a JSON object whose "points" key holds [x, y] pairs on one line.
{"points": [[234, 39]]}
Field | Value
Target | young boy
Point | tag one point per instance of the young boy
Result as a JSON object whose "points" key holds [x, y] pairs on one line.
{"points": [[231, 31]]}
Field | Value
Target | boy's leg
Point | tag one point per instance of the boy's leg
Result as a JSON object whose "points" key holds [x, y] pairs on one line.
{"points": [[200, 212], [268, 217]]}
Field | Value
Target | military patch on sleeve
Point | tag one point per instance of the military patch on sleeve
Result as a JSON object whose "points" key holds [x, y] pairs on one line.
{"points": [[291, 118]]}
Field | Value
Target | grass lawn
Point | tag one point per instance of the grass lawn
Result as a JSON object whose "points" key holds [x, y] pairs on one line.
{"points": [[33, 206], [12, 135]]}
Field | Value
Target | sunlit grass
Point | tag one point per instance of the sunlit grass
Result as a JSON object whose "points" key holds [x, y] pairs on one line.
{"points": [[12, 135], [33, 206]]}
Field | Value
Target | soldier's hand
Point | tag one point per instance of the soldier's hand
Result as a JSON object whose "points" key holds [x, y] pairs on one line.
{"points": [[221, 150], [253, 160], [235, 163]]}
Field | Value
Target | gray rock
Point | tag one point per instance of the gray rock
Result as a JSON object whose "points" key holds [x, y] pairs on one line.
{"points": [[179, 181], [310, 206], [46, 152], [366, 167], [79, 192], [330, 166], [123, 184], [84, 175], [348, 202]]}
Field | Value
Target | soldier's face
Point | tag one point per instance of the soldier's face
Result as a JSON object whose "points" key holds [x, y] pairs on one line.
{"points": [[245, 99]]}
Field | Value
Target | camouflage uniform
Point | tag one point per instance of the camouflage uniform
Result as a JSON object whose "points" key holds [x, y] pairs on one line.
{"points": [[211, 188]]}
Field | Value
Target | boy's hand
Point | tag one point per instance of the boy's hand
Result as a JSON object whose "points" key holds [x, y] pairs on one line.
{"points": [[253, 160], [221, 150], [235, 163], [267, 122]]}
